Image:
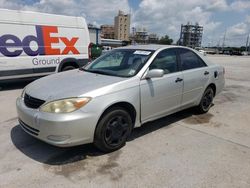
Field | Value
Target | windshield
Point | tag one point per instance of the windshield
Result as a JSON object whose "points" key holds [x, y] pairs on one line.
{"points": [[120, 62]]}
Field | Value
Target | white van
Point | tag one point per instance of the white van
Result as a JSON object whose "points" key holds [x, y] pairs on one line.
{"points": [[37, 44]]}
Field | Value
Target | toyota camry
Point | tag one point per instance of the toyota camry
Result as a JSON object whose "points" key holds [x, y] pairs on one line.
{"points": [[103, 101]]}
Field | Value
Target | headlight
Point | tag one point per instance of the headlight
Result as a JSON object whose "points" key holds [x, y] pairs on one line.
{"points": [[65, 105]]}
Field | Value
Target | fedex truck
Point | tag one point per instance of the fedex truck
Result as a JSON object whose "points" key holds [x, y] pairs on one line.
{"points": [[37, 44]]}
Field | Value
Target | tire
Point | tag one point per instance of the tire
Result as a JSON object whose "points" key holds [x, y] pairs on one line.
{"points": [[67, 68], [113, 130], [206, 101]]}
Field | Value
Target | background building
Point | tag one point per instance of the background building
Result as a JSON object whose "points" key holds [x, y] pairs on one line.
{"points": [[140, 35], [191, 35], [107, 31], [153, 38], [122, 26]]}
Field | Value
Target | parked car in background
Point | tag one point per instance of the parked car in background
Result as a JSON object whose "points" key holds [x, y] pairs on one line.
{"points": [[236, 52], [123, 89], [203, 52], [37, 44]]}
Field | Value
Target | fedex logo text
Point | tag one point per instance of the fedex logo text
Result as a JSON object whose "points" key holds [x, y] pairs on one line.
{"points": [[12, 46]]}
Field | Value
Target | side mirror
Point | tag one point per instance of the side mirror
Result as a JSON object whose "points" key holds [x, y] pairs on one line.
{"points": [[154, 73]]}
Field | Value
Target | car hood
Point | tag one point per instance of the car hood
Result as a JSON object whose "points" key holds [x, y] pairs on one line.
{"points": [[69, 84]]}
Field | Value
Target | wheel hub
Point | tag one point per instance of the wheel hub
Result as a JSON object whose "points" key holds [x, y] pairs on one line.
{"points": [[116, 130], [207, 100]]}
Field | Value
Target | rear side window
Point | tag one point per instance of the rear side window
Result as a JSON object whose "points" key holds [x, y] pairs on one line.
{"points": [[189, 60]]}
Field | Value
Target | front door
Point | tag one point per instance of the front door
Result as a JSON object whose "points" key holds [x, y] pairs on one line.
{"points": [[161, 96]]}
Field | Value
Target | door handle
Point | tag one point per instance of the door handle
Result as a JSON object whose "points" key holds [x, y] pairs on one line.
{"points": [[206, 73], [178, 80]]}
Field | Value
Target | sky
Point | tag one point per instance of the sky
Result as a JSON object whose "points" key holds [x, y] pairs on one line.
{"points": [[218, 17]]}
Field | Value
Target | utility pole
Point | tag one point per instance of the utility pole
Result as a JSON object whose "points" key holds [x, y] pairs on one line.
{"points": [[223, 43], [247, 45], [218, 44], [133, 35]]}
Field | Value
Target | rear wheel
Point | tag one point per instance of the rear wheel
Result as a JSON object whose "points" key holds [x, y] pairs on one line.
{"points": [[113, 130], [206, 101]]}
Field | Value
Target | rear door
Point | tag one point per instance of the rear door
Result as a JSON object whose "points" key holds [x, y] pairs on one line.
{"points": [[161, 96], [195, 75]]}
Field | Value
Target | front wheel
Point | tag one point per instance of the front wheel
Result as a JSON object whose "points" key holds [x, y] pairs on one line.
{"points": [[206, 101], [113, 130]]}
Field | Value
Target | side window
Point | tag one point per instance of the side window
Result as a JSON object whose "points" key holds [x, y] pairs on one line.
{"points": [[189, 60], [165, 60]]}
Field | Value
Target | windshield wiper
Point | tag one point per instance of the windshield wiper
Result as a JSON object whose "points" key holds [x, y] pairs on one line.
{"points": [[97, 71]]}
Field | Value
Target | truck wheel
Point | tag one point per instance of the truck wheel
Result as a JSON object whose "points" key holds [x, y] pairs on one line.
{"points": [[206, 101], [113, 130], [66, 68]]}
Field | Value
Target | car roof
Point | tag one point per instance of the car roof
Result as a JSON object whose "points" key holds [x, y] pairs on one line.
{"points": [[149, 47], [155, 47]]}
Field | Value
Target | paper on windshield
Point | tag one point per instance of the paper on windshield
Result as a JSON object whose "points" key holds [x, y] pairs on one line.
{"points": [[142, 52]]}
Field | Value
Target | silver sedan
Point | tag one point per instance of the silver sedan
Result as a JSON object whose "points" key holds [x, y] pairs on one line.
{"points": [[102, 102]]}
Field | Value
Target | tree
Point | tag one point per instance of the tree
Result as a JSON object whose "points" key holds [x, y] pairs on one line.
{"points": [[166, 40]]}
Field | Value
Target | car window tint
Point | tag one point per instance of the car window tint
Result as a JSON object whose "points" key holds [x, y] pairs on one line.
{"points": [[120, 62], [189, 60], [111, 61], [165, 60], [133, 58]]}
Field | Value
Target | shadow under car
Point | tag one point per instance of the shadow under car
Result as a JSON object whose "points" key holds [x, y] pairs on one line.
{"points": [[52, 155]]}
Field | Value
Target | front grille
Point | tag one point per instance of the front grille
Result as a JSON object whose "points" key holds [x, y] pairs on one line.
{"points": [[28, 129], [32, 102]]}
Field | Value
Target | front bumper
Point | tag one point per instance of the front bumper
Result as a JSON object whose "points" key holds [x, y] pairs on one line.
{"points": [[64, 130]]}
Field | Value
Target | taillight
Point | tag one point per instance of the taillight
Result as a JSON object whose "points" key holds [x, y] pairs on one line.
{"points": [[89, 50]]}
